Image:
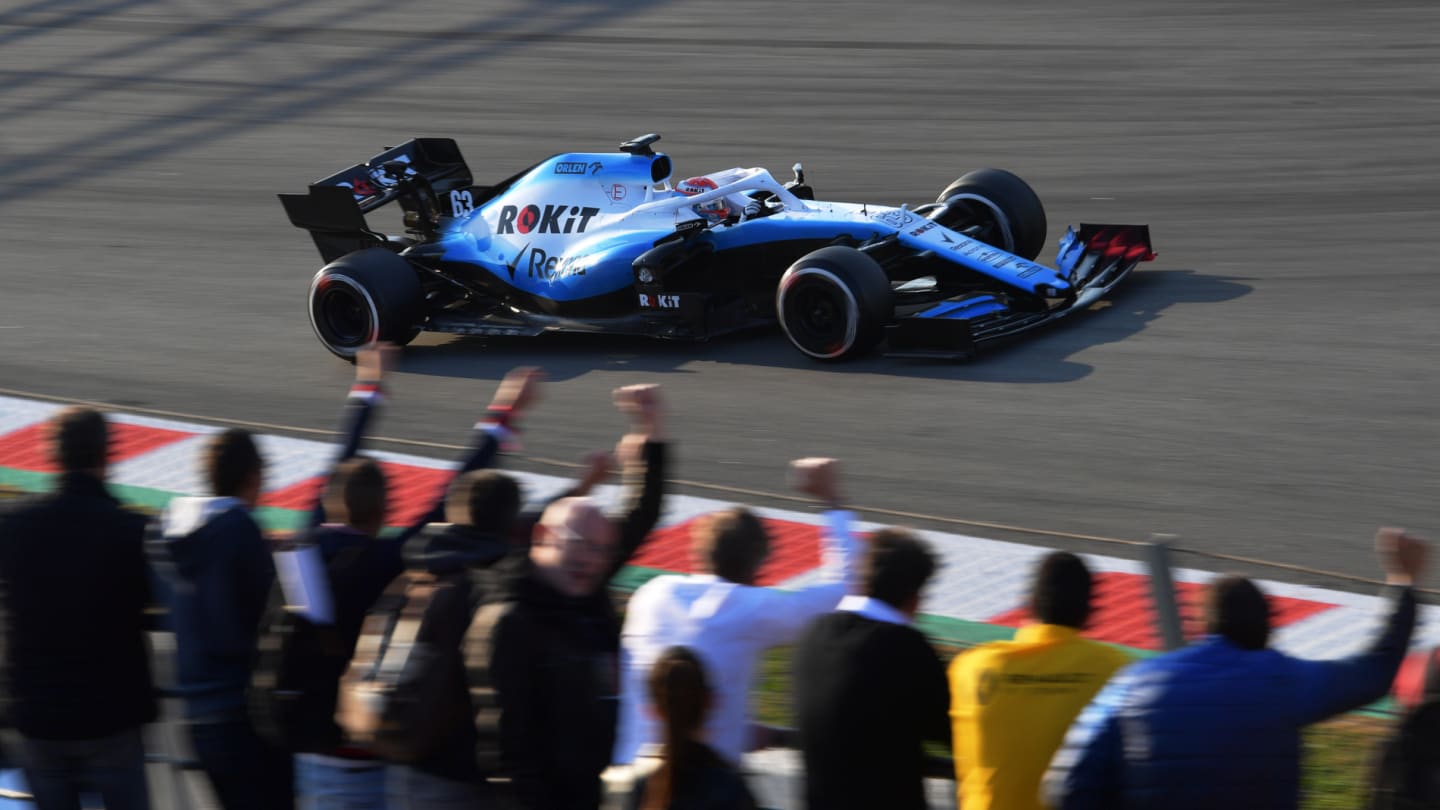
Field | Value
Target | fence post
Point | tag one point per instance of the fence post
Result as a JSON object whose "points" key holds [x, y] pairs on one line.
{"points": [[1162, 591]]}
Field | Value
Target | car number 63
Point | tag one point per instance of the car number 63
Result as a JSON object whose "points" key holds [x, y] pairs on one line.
{"points": [[461, 203]]}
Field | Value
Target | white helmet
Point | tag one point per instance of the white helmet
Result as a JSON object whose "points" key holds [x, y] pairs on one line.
{"points": [[716, 210]]}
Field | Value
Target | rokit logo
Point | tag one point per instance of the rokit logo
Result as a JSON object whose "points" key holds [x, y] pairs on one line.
{"points": [[549, 219], [659, 301]]}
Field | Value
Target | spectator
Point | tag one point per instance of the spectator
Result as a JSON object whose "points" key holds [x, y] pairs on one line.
{"points": [[481, 507], [219, 571], [548, 648], [1217, 724], [74, 590], [690, 775], [1407, 767], [338, 775], [1011, 701], [726, 619], [869, 690]]}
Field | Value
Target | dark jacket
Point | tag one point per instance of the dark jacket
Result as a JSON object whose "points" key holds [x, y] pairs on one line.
{"points": [[1213, 725], [74, 590], [455, 554], [217, 568], [554, 660], [713, 784], [360, 567], [868, 694]]}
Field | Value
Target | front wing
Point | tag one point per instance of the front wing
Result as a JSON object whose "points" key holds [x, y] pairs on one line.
{"points": [[1092, 260]]}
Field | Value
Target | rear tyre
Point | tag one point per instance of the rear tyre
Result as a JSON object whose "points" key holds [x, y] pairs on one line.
{"points": [[363, 297], [834, 303], [1009, 211]]}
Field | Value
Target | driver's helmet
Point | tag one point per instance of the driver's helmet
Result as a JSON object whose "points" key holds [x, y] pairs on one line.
{"points": [[716, 210]]}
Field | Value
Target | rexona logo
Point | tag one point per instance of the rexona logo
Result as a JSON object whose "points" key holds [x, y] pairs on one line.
{"points": [[546, 219], [539, 264]]}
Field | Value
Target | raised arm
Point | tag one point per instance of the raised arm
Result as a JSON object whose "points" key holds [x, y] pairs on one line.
{"points": [[641, 455], [517, 394], [840, 555], [371, 365], [1326, 688]]}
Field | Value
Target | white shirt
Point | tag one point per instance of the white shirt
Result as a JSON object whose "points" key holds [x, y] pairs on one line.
{"points": [[872, 608], [728, 625]]}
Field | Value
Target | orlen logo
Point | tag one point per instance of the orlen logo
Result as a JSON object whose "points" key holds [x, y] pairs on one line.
{"points": [[550, 219]]}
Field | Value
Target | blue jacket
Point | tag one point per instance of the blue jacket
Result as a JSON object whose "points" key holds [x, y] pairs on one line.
{"points": [[215, 574], [1212, 725]]}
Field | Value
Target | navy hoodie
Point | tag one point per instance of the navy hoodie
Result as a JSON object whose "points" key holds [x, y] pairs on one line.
{"points": [[216, 565]]}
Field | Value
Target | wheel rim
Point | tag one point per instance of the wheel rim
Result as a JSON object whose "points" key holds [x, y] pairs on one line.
{"points": [[343, 314], [817, 317], [994, 227]]}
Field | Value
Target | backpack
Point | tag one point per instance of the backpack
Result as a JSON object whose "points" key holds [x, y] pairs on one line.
{"points": [[293, 679], [1407, 776], [404, 694], [484, 695]]}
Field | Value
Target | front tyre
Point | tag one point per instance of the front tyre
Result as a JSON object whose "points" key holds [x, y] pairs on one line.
{"points": [[363, 297], [834, 303], [1006, 211]]}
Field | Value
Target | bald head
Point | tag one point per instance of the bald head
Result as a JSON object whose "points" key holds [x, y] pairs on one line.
{"points": [[573, 546]]}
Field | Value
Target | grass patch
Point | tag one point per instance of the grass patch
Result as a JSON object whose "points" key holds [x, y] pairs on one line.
{"points": [[1339, 755]]}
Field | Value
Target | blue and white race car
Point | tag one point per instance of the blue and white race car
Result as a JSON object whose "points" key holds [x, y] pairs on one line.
{"points": [[604, 243]]}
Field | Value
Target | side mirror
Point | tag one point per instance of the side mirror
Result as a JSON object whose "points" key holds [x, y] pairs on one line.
{"points": [[797, 186]]}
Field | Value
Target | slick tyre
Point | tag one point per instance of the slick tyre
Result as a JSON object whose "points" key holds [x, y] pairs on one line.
{"points": [[363, 297], [1009, 211], [834, 303]]}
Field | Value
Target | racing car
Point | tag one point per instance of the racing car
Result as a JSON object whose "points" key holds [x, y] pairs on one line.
{"points": [[604, 242]]}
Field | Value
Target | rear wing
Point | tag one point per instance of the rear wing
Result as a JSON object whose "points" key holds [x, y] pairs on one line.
{"points": [[415, 173]]}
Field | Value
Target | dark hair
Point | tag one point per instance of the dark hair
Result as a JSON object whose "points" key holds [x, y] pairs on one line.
{"points": [[734, 542], [79, 439], [681, 695], [1236, 609], [896, 566], [356, 493], [231, 459], [1061, 592], [490, 500]]}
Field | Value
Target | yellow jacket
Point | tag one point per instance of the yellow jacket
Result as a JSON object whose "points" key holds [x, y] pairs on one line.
{"points": [[1010, 705]]}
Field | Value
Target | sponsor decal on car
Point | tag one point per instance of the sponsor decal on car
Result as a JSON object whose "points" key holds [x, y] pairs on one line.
{"points": [[615, 191], [578, 167], [546, 219], [648, 301], [981, 252], [540, 264], [511, 265], [923, 228], [361, 187], [896, 219]]}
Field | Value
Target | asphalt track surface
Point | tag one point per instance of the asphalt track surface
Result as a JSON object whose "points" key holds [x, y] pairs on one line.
{"points": [[1265, 388]]}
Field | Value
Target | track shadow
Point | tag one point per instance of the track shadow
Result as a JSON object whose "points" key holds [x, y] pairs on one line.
{"points": [[1038, 357], [232, 110]]}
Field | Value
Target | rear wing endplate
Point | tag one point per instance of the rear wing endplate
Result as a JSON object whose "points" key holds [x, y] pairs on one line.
{"points": [[333, 211]]}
